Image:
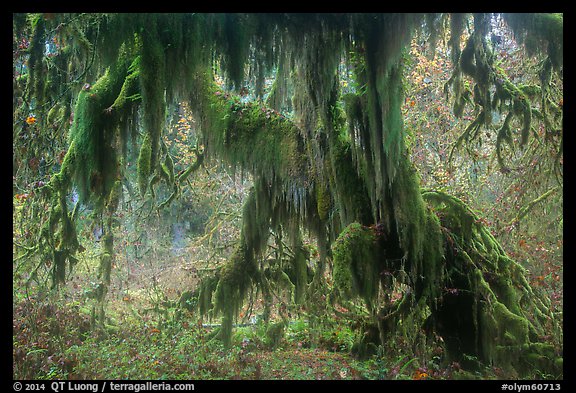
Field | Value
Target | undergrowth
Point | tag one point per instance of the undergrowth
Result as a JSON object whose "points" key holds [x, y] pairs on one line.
{"points": [[53, 339]]}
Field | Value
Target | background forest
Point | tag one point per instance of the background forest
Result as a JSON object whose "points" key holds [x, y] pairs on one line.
{"points": [[124, 277]]}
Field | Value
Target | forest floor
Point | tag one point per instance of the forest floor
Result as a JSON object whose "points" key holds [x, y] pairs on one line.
{"points": [[53, 339], [149, 336]]}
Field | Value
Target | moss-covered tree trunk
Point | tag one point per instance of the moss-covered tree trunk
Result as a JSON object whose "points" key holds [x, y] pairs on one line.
{"points": [[455, 280]]}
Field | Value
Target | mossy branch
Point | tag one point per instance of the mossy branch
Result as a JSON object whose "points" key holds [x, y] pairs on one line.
{"points": [[524, 210]]}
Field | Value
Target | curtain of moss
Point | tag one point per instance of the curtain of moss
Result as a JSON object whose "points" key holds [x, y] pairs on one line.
{"points": [[152, 80]]}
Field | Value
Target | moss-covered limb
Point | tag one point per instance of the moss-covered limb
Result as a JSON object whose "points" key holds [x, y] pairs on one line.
{"points": [[419, 239], [130, 91], [95, 134], [509, 338], [61, 181], [181, 177], [540, 31], [524, 210], [375, 122], [500, 309], [460, 219], [519, 97], [493, 90], [90, 163], [350, 192], [241, 270], [503, 134], [255, 138]]}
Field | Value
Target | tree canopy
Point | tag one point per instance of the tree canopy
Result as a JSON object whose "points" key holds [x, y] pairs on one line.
{"points": [[325, 146]]}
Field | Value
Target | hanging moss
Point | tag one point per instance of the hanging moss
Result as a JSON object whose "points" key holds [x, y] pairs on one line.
{"points": [[255, 138], [300, 266], [349, 190], [207, 288], [233, 284], [62, 238], [36, 67], [540, 32], [235, 42], [323, 202], [144, 165], [152, 81]]}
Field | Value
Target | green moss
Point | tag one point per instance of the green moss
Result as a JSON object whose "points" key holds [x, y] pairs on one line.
{"points": [[350, 192], [234, 281], [235, 42], [36, 67], [168, 168], [95, 135], [152, 81], [275, 334], [61, 181], [505, 319], [323, 202], [255, 138], [130, 89], [207, 287], [300, 267], [56, 115], [114, 197], [355, 263], [309, 171], [144, 165], [540, 32]]}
